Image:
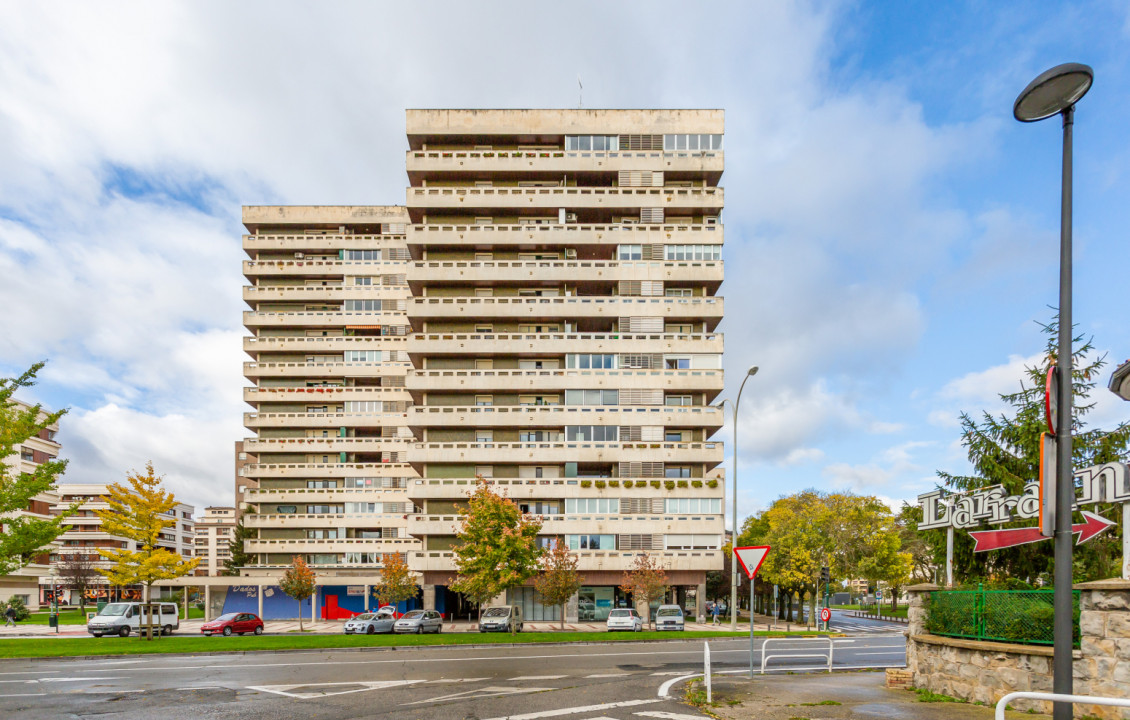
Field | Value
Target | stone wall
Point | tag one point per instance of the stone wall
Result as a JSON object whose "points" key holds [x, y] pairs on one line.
{"points": [[984, 672]]}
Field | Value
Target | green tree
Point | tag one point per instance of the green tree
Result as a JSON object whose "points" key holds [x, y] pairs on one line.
{"points": [[140, 512], [1005, 450], [239, 558], [22, 537], [646, 581], [397, 582], [497, 546], [298, 582], [923, 556], [559, 580], [77, 572]]}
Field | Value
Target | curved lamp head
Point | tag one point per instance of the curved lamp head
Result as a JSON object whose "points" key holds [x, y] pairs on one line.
{"points": [[752, 371], [1053, 92]]}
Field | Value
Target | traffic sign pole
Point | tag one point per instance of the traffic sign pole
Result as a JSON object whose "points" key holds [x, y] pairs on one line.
{"points": [[750, 558]]}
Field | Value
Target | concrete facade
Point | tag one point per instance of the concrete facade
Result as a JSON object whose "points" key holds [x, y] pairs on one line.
{"points": [[214, 532]]}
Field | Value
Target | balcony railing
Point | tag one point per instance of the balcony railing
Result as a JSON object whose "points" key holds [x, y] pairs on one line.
{"points": [[535, 154]]}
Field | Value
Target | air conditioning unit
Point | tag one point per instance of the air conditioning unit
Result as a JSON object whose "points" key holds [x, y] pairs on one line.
{"points": [[570, 217], [299, 256]]}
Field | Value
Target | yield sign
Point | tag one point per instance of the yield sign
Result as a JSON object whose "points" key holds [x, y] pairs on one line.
{"points": [[985, 540], [751, 558]]}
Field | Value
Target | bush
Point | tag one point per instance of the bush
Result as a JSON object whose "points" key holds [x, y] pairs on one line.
{"points": [[600, 484], [586, 483], [22, 613], [627, 483], [655, 484], [682, 483], [712, 483], [696, 483], [613, 483], [669, 484]]}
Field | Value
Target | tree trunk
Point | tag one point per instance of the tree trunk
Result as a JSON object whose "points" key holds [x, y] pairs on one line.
{"points": [[563, 616], [300, 616]]}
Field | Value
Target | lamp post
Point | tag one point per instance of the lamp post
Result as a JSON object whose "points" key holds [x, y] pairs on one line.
{"points": [[54, 598], [734, 538], [1055, 92]]}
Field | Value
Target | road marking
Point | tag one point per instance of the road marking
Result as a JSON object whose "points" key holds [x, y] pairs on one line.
{"points": [[456, 680], [667, 715], [486, 692], [202, 687], [108, 692], [29, 672], [576, 710], [23, 695], [538, 677], [667, 685], [20, 682], [668, 673], [607, 675], [81, 679], [286, 690], [888, 652]]}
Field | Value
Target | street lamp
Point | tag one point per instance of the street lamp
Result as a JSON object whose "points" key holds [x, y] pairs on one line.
{"points": [[1055, 92], [54, 598], [734, 538]]}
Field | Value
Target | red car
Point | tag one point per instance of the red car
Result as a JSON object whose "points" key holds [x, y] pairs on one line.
{"points": [[238, 623]]}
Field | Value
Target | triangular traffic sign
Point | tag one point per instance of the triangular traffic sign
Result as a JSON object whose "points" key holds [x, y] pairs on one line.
{"points": [[751, 558]]}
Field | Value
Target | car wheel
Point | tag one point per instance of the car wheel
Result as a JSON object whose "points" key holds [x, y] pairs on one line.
{"points": [[167, 630], [227, 632], [420, 629], [97, 634], [259, 630], [439, 629], [124, 632], [520, 627], [207, 634], [639, 628], [369, 630]]}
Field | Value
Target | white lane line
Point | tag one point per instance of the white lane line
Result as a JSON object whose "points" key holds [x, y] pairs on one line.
{"points": [[442, 681], [19, 682], [667, 715], [538, 677], [667, 685], [202, 687], [23, 695], [576, 710], [100, 678], [667, 673], [108, 692], [607, 675], [30, 672]]}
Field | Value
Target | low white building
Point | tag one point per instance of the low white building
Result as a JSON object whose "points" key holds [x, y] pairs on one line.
{"points": [[214, 533]]}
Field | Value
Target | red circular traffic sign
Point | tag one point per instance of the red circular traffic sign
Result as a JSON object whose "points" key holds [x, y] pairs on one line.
{"points": [[825, 614]]}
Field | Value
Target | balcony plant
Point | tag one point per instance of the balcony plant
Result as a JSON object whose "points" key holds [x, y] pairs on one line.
{"points": [[655, 484], [696, 483], [613, 483], [586, 483], [669, 484], [628, 483], [682, 483], [600, 484], [712, 483]]}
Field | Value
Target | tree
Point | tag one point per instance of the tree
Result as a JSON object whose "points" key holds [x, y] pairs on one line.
{"points": [[559, 579], [298, 582], [1005, 450], [77, 572], [239, 558], [646, 581], [397, 582], [923, 559], [497, 546], [140, 512], [22, 537]]}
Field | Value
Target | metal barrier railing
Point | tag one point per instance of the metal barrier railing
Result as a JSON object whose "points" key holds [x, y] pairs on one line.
{"points": [[1053, 697], [765, 656]]}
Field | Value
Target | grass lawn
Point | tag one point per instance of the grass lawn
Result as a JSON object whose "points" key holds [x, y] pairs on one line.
{"points": [[71, 647], [75, 617]]}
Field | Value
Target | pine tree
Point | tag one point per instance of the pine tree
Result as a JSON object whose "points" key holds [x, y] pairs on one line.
{"points": [[239, 558], [298, 582], [497, 546], [1005, 450], [559, 580], [22, 537]]}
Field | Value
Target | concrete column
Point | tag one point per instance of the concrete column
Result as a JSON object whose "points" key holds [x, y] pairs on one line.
{"points": [[366, 598], [700, 602], [314, 605], [259, 595], [184, 601], [207, 603], [429, 597]]}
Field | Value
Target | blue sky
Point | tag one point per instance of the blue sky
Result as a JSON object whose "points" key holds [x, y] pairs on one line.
{"points": [[891, 230]]}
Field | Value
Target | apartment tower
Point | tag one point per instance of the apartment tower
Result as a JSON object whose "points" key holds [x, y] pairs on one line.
{"points": [[541, 314]]}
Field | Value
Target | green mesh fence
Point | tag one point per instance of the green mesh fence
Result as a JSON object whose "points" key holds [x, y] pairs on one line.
{"points": [[1015, 616]]}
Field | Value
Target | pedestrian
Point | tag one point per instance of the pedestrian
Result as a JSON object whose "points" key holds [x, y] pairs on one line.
{"points": [[10, 617], [714, 611]]}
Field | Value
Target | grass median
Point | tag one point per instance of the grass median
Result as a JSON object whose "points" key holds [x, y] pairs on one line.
{"points": [[77, 647]]}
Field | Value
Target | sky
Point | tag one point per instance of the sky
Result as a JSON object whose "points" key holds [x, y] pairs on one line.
{"points": [[891, 231]]}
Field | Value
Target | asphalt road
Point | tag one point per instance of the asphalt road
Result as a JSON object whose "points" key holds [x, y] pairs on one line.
{"points": [[576, 682]]}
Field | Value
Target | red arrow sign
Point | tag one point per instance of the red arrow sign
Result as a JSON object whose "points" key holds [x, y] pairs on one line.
{"points": [[985, 540]]}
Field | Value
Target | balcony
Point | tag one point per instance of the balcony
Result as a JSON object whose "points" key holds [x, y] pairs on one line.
{"points": [[558, 162], [692, 309], [549, 344], [421, 454], [419, 382], [442, 272], [591, 560], [469, 199], [323, 445], [319, 394], [325, 520], [322, 369], [329, 319], [541, 416], [320, 495], [328, 269], [555, 235], [320, 293], [588, 524], [320, 243], [421, 489], [304, 545], [320, 420], [326, 470], [299, 344]]}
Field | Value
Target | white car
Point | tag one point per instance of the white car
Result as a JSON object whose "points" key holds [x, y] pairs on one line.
{"points": [[669, 617], [624, 619]]}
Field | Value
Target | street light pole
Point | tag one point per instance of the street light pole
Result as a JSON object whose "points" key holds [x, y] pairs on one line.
{"points": [[1055, 92], [734, 517]]}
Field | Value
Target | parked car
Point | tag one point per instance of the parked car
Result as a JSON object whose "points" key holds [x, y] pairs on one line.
{"points": [[669, 617], [501, 619], [624, 619], [122, 618], [419, 621], [238, 623], [369, 623]]}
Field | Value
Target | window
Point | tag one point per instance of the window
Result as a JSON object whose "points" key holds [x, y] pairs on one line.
{"points": [[364, 508], [364, 280], [539, 436], [629, 252], [362, 558], [593, 433], [592, 505], [592, 397], [599, 143], [364, 406], [324, 534], [484, 436], [692, 542], [362, 254], [692, 252], [591, 542], [677, 400], [673, 436], [676, 471], [323, 509], [362, 305], [484, 400], [485, 471], [683, 506], [287, 509], [324, 559], [595, 362], [321, 484], [692, 142], [678, 292], [362, 356], [484, 328], [243, 456], [677, 363]]}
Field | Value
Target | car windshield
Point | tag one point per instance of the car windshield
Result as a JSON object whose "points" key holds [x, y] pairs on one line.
{"points": [[413, 614], [115, 609], [669, 612], [229, 616], [496, 612], [364, 616], [620, 613]]}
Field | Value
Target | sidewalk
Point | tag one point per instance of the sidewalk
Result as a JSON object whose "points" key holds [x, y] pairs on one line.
{"points": [[856, 695]]}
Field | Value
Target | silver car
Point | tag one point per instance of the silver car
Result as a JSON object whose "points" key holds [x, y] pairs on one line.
{"points": [[624, 619], [669, 617], [369, 623], [419, 621]]}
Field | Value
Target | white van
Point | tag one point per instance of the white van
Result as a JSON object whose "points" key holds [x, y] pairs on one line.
{"points": [[507, 618], [122, 618]]}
